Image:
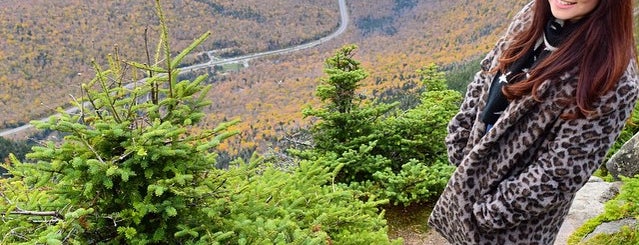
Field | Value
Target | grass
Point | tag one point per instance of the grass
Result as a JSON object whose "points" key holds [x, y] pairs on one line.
{"points": [[232, 67], [627, 236]]}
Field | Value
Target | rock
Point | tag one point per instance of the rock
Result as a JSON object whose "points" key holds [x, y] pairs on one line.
{"points": [[588, 203], [624, 162], [611, 227]]}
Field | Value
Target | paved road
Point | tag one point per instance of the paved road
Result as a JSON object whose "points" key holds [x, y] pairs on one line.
{"points": [[344, 19]]}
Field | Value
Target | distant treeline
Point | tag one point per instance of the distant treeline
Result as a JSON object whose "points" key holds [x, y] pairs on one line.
{"points": [[18, 148]]}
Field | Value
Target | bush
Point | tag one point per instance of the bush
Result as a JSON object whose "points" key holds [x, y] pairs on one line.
{"points": [[299, 207], [380, 150], [134, 171]]}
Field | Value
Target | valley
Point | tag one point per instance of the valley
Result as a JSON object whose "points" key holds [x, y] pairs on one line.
{"points": [[46, 60]]}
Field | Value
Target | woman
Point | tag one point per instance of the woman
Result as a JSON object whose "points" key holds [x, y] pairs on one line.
{"points": [[537, 121]]}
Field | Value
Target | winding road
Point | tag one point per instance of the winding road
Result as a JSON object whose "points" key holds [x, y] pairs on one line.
{"points": [[344, 19]]}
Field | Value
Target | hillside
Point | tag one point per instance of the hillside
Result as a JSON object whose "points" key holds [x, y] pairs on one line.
{"points": [[47, 46], [394, 42], [43, 57]]}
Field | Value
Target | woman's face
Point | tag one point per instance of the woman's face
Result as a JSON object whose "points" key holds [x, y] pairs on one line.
{"points": [[572, 9]]}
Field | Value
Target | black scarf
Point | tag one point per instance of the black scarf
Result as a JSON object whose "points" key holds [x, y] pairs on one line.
{"points": [[555, 33]]}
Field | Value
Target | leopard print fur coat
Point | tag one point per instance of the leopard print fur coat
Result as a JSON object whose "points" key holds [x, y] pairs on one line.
{"points": [[515, 184]]}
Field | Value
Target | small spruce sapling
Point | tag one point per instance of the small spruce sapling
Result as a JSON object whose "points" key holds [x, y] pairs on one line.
{"points": [[129, 170]]}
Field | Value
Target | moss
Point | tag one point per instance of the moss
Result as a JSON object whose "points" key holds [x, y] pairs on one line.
{"points": [[584, 230], [627, 236], [623, 206], [604, 175]]}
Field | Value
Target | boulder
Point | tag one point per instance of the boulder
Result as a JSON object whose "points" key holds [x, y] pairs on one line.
{"points": [[588, 203], [611, 227], [625, 162]]}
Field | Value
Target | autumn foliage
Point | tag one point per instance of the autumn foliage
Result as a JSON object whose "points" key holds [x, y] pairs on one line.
{"points": [[47, 48]]}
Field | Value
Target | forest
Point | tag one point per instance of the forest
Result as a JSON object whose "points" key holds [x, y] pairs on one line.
{"points": [[48, 57], [445, 33], [49, 46], [306, 148], [131, 171]]}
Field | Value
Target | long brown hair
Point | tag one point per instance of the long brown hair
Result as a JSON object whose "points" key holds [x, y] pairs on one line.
{"points": [[601, 48]]}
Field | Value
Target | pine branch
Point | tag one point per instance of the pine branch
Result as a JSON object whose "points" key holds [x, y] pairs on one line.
{"points": [[20, 211], [37, 213], [298, 142]]}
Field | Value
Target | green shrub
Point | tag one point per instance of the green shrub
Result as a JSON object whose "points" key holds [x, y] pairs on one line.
{"points": [[299, 207], [383, 151], [133, 171], [415, 182]]}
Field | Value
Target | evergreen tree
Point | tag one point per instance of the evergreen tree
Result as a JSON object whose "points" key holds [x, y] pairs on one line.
{"points": [[347, 122], [413, 141], [7, 146], [132, 170], [129, 170], [382, 150]]}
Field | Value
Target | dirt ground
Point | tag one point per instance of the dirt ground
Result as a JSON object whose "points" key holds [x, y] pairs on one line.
{"points": [[409, 223], [429, 238]]}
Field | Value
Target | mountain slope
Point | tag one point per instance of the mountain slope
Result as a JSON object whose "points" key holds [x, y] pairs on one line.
{"points": [[398, 40], [43, 56], [47, 46]]}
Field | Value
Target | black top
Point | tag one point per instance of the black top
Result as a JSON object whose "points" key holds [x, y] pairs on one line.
{"points": [[554, 33]]}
